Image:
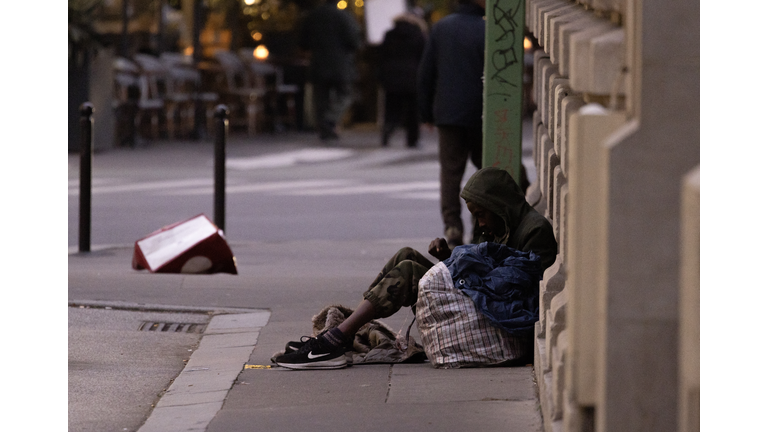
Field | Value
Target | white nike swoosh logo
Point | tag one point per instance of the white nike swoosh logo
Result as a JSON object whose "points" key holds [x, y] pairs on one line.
{"points": [[314, 356]]}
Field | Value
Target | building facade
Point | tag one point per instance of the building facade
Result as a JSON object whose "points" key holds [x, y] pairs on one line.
{"points": [[616, 147]]}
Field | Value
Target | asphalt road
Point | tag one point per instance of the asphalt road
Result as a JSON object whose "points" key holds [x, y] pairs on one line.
{"points": [[282, 187], [279, 188], [285, 189]]}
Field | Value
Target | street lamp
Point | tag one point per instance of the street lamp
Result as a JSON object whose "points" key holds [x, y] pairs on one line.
{"points": [[261, 52]]}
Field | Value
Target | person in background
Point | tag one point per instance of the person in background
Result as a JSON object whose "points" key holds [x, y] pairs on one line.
{"points": [[332, 37], [451, 97], [401, 53]]}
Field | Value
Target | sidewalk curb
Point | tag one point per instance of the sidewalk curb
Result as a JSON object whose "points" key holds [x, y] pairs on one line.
{"points": [[198, 392], [118, 305]]}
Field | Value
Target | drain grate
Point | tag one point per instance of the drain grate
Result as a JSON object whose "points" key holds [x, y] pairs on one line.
{"points": [[172, 327]]}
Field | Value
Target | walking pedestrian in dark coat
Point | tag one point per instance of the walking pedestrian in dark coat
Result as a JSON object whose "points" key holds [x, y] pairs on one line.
{"points": [[400, 56], [451, 97], [332, 36]]}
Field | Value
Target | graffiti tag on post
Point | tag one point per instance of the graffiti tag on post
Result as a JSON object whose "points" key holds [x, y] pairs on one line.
{"points": [[503, 69], [504, 56]]}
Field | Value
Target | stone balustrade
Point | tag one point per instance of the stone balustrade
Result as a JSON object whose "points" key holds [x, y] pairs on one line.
{"points": [[611, 153]]}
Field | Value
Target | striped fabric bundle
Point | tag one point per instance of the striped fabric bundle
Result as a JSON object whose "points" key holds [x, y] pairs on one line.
{"points": [[454, 333]]}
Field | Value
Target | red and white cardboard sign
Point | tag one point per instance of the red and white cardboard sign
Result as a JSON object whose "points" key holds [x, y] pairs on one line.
{"points": [[196, 245]]}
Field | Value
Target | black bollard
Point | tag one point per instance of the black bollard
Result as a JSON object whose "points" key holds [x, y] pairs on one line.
{"points": [[86, 159], [219, 169]]}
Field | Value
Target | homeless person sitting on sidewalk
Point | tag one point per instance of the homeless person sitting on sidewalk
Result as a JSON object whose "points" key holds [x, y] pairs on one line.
{"points": [[506, 222]]}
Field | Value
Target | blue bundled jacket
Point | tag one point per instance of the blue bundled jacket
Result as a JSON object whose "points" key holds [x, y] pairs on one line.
{"points": [[501, 281]]}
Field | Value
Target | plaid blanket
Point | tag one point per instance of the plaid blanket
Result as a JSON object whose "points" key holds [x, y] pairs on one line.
{"points": [[454, 333]]}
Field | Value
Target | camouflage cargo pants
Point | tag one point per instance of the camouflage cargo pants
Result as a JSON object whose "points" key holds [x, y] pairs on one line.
{"points": [[397, 284]]}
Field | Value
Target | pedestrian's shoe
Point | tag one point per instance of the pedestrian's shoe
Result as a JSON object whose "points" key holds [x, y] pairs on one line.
{"points": [[315, 353], [386, 132], [327, 135], [328, 131]]}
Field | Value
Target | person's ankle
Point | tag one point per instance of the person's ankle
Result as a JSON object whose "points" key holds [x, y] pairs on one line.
{"points": [[336, 337]]}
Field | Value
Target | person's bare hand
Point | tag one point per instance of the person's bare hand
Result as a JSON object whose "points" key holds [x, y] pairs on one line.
{"points": [[438, 248]]}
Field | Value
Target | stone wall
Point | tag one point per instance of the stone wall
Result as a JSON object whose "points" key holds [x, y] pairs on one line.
{"points": [[616, 88]]}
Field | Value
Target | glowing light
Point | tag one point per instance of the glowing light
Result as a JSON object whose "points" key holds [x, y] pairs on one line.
{"points": [[261, 52], [249, 2], [256, 36], [189, 50], [359, 3], [342, 4], [265, 16], [527, 44]]}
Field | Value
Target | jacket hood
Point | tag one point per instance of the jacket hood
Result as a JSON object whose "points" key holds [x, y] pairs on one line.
{"points": [[496, 190]]}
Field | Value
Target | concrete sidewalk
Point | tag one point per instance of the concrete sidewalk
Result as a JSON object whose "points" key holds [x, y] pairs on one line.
{"points": [[251, 316], [281, 285]]}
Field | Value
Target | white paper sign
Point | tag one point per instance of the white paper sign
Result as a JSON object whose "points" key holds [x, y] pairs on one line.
{"points": [[378, 17]]}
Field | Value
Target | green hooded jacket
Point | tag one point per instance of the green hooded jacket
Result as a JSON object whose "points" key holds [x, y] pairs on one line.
{"points": [[526, 229]]}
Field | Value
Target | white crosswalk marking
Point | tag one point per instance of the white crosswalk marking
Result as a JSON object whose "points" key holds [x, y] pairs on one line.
{"points": [[368, 188], [261, 187], [145, 186], [423, 196], [281, 160], [421, 190], [75, 183]]}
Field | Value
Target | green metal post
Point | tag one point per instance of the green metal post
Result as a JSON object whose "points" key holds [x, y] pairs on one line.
{"points": [[503, 98]]}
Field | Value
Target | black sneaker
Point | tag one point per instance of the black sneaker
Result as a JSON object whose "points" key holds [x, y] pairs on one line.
{"points": [[314, 354], [294, 346]]}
